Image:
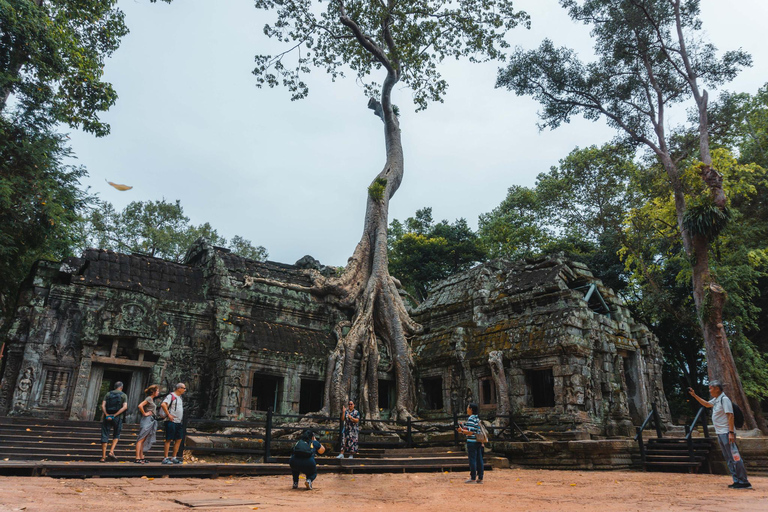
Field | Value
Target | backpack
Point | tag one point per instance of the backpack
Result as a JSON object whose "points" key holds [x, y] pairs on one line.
{"points": [[482, 433], [161, 412], [302, 449], [114, 401], [738, 416]]}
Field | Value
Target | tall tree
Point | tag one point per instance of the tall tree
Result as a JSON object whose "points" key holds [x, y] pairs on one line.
{"points": [[405, 42], [422, 252], [649, 56], [40, 204], [156, 228]]}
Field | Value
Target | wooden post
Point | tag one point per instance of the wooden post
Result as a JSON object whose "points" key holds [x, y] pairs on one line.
{"points": [[184, 424], [642, 446], [456, 429], [268, 437], [656, 420]]}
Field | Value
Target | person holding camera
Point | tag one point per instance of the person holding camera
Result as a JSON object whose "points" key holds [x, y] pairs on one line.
{"points": [[303, 458], [723, 421], [474, 447], [349, 442], [113, 406]]}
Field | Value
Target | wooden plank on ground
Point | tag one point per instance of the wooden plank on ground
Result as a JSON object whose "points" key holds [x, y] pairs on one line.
{"points": [[208, 502]]}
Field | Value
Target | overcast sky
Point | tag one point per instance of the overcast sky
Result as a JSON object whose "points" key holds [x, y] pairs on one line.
{"points": [[190, 124]]}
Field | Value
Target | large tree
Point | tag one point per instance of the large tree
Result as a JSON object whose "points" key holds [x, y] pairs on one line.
{"points": [[403, 42], [422, 252], [155, 228], [650, 55]]}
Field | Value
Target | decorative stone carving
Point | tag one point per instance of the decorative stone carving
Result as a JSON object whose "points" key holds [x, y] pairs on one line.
{"points": [[23, 389], [55, 387], [132, 317], [233, 404]]}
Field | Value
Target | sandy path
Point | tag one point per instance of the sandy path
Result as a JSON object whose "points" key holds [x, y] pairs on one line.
{"points": [[507, 490]]}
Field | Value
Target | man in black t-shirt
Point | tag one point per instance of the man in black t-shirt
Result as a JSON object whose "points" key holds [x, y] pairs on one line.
{"points": [[113, 406]]}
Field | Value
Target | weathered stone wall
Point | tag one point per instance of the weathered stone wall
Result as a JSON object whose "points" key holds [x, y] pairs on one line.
{"points": [[535, 314], [238, 343]]}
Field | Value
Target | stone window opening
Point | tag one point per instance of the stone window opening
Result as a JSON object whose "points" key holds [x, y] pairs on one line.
{"points": [[265, 392], [432, 388], [488, 394], [540, 386], [311, 395], [386, 394]]}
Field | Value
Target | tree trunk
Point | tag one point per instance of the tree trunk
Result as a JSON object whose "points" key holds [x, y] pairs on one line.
{"points": [[496, 362], [371, 294], [709, 296]]}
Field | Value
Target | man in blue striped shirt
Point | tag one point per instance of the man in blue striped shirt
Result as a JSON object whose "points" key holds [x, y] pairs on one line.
{"points": [[474, 448]]}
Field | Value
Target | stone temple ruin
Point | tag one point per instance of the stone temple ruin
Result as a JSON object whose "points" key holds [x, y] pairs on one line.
{"points": [[544, 340]]}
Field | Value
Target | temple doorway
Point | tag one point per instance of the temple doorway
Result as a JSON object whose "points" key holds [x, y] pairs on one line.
{"points": [[103, 379]]}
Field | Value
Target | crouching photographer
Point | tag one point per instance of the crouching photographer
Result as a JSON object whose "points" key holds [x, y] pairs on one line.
{"points": [[303, 458]]}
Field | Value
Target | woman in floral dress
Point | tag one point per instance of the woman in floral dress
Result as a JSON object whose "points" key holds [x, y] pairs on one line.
{"points": [[351, 431]]}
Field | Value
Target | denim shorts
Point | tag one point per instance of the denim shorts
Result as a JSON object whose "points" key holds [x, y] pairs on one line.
{"points": [[116, 425], [173, 431]]}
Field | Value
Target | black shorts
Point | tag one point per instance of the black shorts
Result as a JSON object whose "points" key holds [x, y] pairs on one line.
{"points": [[173, 431], [116, 426]]}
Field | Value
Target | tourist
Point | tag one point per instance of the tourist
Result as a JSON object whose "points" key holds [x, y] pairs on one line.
{"points": [[351, 419], [722, 420], [173, 413], [148, 424], [474, 448], [113, 406], [303, 458]]}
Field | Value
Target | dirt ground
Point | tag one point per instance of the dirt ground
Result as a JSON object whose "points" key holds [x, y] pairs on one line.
{"points": [[507, 489]]}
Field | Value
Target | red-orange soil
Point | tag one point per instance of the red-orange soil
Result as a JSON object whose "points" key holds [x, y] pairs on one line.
{"points": [[503, 490]]}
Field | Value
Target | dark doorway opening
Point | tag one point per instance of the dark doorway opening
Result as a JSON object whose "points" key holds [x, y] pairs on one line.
{"points": [[111, 376], [541, 387], [311, 395], [265, 392], [386, 394], [433, 393], [487, 391]]}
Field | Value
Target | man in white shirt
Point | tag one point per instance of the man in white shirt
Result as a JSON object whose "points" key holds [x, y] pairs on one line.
{"points": [[722, 420], [173, 407]]}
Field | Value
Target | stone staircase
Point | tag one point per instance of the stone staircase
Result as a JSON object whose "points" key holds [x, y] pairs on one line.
{"points": [[32, 439], [672, 454], [60, 448]]}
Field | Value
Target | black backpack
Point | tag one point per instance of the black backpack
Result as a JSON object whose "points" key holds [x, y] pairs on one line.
{"points": [[114, 401], [302, 449], [738, 416]]}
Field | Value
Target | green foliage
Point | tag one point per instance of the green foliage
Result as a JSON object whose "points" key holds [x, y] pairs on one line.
{"points": [[639, 63], [156, 228], [705, 219], [52, 56], [377, 188], [517, 227], [422, 252], [40, 202], [408, 39]]}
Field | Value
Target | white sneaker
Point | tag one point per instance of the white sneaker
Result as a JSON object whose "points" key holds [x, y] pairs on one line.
{"points": [[308, 484], [351, 457], [340, 456]]}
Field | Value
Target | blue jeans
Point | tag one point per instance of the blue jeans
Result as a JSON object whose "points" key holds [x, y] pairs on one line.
{"points": [[476, 464], [737, 469]]}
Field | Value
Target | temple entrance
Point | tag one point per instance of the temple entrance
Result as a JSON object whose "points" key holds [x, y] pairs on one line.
{"points": [[265, 392], [102, 381]]}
